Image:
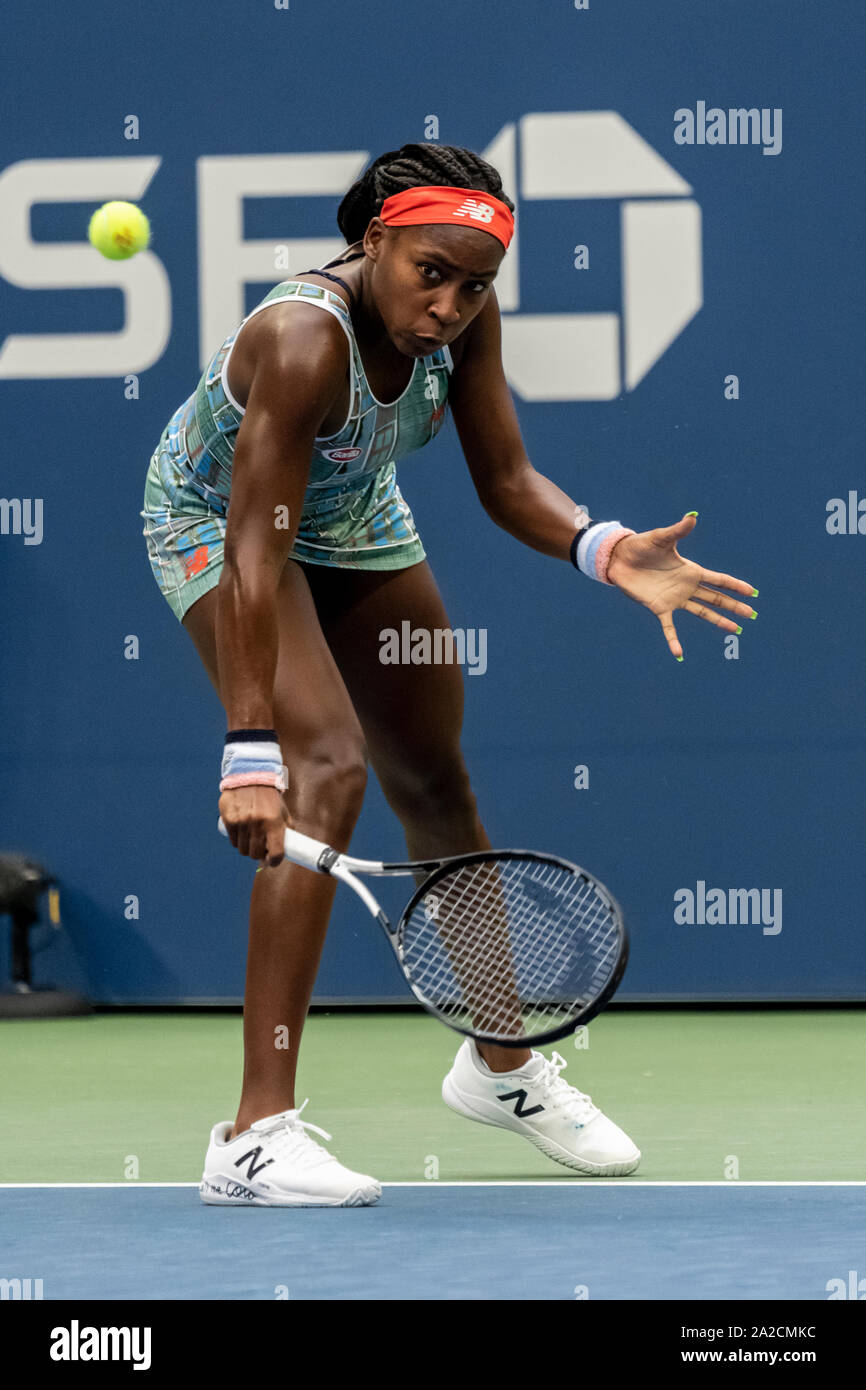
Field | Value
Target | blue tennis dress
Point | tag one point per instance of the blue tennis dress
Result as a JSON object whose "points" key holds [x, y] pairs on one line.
{"points": [[353, 515]]}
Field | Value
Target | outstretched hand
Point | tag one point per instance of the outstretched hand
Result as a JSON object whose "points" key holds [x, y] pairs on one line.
{"points": [[649, 568]]}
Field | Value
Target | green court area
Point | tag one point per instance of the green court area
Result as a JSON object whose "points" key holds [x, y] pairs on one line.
{"points": [[773, 1095]]}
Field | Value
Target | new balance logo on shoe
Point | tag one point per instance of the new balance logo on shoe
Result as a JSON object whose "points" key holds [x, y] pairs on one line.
{"points": [[520, 1098], [252, 1156]]}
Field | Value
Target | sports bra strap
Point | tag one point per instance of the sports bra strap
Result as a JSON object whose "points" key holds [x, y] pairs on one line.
{"points": [[337, 281]]}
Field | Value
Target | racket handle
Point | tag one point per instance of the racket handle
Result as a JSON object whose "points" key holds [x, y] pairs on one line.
{"points": [[301, 849]]}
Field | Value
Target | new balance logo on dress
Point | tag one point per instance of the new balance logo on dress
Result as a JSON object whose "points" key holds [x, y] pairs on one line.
{"points": [[195, 563], [519, 1097]]}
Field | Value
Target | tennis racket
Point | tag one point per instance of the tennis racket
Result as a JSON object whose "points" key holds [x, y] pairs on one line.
{"points": [[510, 947]]}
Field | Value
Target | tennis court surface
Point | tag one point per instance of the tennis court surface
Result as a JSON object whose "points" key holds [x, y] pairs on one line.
{"points": [[751, 1184]]}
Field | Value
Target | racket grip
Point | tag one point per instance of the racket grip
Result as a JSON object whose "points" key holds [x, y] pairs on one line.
{"points": [[301, 849]]}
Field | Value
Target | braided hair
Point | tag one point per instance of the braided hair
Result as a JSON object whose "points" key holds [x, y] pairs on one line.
{"points": [[410, 167]]}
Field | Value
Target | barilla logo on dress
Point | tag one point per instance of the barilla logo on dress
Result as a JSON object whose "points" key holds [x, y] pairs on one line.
{"points": [[479, 212], [196, 562], [341, 455]]}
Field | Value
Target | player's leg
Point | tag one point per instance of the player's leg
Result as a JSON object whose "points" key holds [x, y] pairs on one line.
{"points": [[412, 718], [323, 747], [412, 715]]}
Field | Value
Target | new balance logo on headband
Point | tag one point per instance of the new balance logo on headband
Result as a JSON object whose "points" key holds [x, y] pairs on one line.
{"points": [[479, 212], [434, 203]]}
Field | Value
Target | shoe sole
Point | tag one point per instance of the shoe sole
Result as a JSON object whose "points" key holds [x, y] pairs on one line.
{"points": [[461, 1105], [213, 1197]]}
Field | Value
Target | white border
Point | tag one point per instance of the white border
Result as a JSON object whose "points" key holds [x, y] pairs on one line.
{"points": [[553, 1183]]}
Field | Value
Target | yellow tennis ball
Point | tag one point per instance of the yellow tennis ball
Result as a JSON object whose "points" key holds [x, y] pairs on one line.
{"points": [[118, 230]]}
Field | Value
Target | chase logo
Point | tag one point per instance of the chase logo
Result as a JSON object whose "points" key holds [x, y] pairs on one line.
{"points": [[583, 155], [563, 356]]}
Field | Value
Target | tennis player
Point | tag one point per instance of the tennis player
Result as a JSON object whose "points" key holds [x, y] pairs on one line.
{"points": [[297, 422]]}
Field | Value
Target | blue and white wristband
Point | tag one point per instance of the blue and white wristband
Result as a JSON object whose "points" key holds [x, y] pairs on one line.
{"points": [[252, 758], [593, 545]]}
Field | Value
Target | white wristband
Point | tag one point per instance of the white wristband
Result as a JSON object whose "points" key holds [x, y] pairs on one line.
{"points": [[252, 762], [595, 546]]}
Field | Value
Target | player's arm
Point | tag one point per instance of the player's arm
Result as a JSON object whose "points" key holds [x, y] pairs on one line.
{"points": [[513, 493], [299, 368], [647, 566]]}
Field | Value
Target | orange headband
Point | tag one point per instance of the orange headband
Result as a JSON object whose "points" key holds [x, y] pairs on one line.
{"points": [[461, 206]]}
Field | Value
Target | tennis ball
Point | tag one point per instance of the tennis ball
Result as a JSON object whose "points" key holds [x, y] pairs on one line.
{"points": [[118, 230]]}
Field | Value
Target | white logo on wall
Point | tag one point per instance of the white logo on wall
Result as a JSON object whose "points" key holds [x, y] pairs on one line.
{"points": [[590, 155], [574, 155], [39, 265]]}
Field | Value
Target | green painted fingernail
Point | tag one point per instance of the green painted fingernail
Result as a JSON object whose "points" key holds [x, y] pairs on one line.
{"points": [[679, 658], [739, 630], [691, 513], [754, 593], [753, 615]]}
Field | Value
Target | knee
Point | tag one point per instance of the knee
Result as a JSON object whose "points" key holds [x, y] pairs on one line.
{"points": [[434, 792], [328, 792]]}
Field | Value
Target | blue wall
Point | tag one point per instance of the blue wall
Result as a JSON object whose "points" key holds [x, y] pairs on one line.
{"points": [[738, 773]]}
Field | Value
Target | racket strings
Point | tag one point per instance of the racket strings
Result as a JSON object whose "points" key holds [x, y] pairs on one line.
{"points": [[510, 947], [480, 971]]}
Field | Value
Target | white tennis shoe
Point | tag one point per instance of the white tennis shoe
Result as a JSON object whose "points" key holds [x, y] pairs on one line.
{"points": [[275, 1163], [537, 1102]]}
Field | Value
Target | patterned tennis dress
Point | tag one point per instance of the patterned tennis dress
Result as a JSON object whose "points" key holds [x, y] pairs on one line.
{"points": [[353, 516]]}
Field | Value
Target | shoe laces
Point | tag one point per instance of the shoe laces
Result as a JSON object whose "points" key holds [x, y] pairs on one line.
{"points": [[560, 1095], [288, 1137]]}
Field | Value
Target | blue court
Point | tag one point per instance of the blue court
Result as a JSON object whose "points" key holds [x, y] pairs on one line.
{"points": [[552, 1240]]}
